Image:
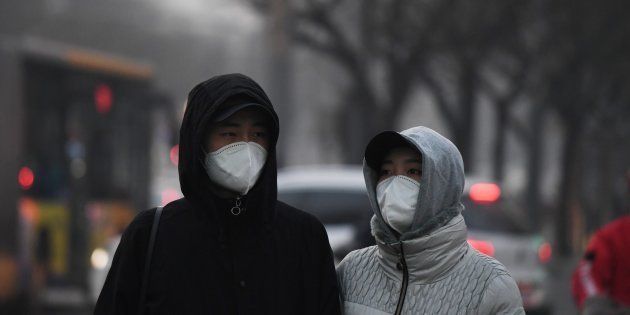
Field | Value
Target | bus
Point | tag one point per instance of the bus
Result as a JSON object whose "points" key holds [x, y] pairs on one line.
{"points": [[85, 135]]}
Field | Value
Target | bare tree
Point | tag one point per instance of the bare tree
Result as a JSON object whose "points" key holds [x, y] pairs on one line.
{"points": [[585, 71], [388, 49], [560, 56]]}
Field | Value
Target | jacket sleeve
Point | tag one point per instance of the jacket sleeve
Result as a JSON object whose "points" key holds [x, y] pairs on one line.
{"points": [[120, 292], [502, 297], [325, 268]]}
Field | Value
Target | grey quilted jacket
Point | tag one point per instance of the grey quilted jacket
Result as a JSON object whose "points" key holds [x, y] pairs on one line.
{"points": [[431, 264]]}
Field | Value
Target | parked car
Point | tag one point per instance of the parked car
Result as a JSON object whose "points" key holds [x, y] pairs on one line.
{"points": [[496, 227], [337, 196]]}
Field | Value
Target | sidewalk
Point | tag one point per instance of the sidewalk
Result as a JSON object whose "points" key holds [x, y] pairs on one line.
{"points": [[560, 285]]}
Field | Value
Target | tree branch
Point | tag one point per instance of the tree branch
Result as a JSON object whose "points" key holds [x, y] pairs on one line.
{"points": [[442, 102]]}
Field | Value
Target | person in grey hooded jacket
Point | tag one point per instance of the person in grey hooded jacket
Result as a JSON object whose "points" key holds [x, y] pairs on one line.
{"points": [[422, 263]]}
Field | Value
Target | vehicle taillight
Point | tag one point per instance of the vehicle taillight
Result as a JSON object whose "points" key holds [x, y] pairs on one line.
{"points": [[544, 252], [482, 246], [484, 193]]}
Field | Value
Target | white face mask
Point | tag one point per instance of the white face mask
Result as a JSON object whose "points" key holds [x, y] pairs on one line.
{"points": [[236, 166], [397, 197]]}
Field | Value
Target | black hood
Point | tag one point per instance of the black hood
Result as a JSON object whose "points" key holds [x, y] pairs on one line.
{"points": [[205, 101]]}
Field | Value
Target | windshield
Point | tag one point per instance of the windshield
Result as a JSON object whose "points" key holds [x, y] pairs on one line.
{"points": [[330, 206], [491, 217]]}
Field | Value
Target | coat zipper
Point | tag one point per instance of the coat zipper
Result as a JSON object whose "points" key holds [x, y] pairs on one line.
{"points": [[405, 281]]}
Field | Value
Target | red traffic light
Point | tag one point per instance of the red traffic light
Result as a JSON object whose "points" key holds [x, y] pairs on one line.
{"points": [[26, 178]]}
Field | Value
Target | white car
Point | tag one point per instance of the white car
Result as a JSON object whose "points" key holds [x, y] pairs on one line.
{"points": [[496, 228], [337, 196]]}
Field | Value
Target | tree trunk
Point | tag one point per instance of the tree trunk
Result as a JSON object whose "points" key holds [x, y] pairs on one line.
{"points": [[465, 129], [534, 145], [499, 143], [359, 121], [568, 186]]}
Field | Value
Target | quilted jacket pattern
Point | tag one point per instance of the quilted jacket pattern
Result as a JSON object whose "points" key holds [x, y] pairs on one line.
{"points": [[477, 285], [445, 275]]}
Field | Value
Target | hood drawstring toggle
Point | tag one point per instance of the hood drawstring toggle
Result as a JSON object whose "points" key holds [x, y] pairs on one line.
{"points": [[236, 210]]}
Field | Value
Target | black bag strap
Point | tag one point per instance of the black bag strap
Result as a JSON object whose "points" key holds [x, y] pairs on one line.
{"points": [[147, 263]]}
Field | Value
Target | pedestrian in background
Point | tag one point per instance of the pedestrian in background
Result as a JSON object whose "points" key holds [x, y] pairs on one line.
{"points": [[228, 246], [422, 263], [601, 282]]}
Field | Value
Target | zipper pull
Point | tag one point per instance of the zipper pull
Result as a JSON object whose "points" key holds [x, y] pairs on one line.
{"points": [[236, 210]]}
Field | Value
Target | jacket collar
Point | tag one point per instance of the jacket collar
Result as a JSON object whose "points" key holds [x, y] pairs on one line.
{"points": [[428, 257]]}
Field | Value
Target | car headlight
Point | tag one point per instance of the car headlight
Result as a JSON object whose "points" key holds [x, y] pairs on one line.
{"points": [[99, 258]]}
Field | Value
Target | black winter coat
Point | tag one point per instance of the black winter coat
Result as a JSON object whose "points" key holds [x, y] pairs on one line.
{"points": [[271, 259]]}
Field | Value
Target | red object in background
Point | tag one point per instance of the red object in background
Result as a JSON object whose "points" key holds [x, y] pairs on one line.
{"points": [[169, 195], [484, 193], [174, 154], [103, 98], [604, 268], [29, 210], [26, 178], [482, 246], [544, 252]]}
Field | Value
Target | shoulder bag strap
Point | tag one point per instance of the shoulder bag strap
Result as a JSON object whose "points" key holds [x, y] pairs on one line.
{"points": [[147, 263]]}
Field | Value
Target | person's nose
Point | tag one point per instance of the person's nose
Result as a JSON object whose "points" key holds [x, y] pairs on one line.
{"points": [[244, 135], [399, 170], [247, 137]]}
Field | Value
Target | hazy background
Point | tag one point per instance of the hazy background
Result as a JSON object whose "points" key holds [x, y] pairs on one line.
{"points": [[535, 94]]}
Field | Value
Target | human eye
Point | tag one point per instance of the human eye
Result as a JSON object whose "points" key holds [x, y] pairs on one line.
{"points": [[384, 172], [414, 171], [260, 134]]}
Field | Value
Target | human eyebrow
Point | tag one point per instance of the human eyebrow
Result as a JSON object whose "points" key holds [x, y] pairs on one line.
{"points": [[413, 160], [387, 162], [261, 124], [228, 124]]}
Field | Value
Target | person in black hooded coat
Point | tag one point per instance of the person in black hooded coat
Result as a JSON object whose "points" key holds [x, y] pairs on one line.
{"points": [[270, 259]]}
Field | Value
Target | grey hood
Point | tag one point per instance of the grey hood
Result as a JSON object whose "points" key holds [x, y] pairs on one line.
{"points": [[441, 184]]}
